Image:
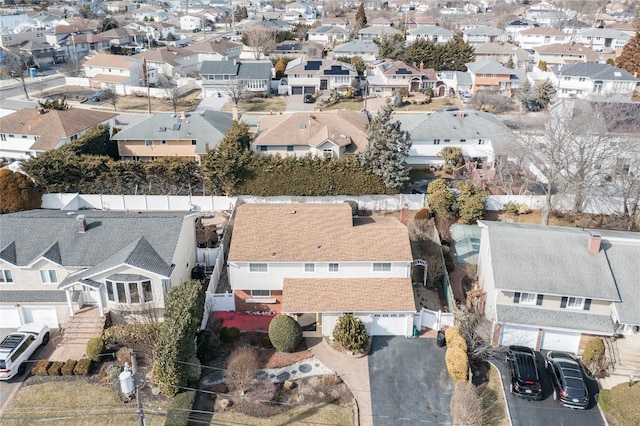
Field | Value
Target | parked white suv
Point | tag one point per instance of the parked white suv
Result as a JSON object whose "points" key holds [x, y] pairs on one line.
{"points": [[17, 348]]}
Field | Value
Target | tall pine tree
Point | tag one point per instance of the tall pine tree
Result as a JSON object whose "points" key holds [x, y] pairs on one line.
{"points": [[629, 59], [423, 51], [388, 148], [361, 17]]}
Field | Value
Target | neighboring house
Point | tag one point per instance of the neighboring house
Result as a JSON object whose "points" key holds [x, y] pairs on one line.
{"points": [[562, 54], [125, 37], [602, 39], [120, 6], [82, 45], [329, 35], [216, 50], [390, 76], [52, 263], [514, 27], [171, 61], [172, 135], [540, 36], [501, 53], [588, 79], [150, 14], [14, 39], [153, 30], [372, 33], [296, 49], [42, 53], [484, 34], [434, 33], [318, 260], [28, 132], [275, 24], [332, 134], [63, 39], [221, 76], [336, 22], [480, 135], [536, 299], [455, 81], [305, 75], [490, 75], [367, 50], [105, 70], [190, 22]]}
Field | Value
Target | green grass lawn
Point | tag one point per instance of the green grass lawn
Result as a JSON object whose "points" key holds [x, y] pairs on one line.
{"points": [[494, 412], [72, 403], [318, 414], [622, 403]]}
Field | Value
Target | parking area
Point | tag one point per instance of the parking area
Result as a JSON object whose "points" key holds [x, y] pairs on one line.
{"points": [[547, 411], [409, 382], [295, 103]]}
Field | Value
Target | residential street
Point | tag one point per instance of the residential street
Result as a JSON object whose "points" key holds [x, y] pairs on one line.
{"points": [[409, 382]]}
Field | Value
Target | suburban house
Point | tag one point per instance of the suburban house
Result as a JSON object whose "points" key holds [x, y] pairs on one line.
{"points": [[456, 81], [367, 50], [42, 52], [390, 76], [484, 34], [329, 35], [216, 50], [540, 36], [305, 75], [172, 135], [331, 134], [52, 263], [587, 79], [336, 22], [125, 37], [514, 27], [480, 135], [561, 54], [63, 37], [432, 32], [153, 30], [150, 14], [190, 22], [603, 39], [222, 76], [14, 39], [297, 49], [171, 61], [28, 132], [318, 261], [501, 53], [490, 75], [374, 32], [105, 70], [535, 299]]}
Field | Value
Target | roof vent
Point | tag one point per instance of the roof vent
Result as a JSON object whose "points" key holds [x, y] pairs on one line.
{"points": [[302, 126], [318, 247], [71, 213], [292, 212]]}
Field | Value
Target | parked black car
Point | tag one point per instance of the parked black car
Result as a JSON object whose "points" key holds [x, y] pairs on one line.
{"points": [[566, 376], [533, 105], [309, 99], [525, 380]]}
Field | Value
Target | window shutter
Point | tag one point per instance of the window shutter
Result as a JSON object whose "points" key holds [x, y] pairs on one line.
{"points": [[587, 304], [564, 302], [516, 298], [539, 301]]}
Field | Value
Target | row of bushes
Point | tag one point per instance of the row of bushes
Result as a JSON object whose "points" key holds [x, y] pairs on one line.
{"points": [[180, 409], [69, 368], [456, 358]]}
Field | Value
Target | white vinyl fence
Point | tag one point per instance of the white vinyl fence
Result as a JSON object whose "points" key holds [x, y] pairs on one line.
{"points": [[434, 320], [217, 302]]}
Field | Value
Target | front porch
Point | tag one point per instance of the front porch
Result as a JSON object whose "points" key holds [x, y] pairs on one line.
{"points": [[86, 323]]}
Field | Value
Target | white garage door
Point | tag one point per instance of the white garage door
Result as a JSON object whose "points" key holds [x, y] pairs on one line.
{"points": [[9, 317], [389, 325], [554, 340], [43, 314], [515, 335]]}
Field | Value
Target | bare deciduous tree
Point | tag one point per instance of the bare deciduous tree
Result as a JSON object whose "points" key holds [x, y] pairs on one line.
{"points": [[242, 368], [173, 96], [17, 67], [261, 40], [111, 96], [235, 90], [466, 406]]}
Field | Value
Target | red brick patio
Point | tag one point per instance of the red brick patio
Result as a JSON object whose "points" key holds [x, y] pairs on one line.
{"points": [[244, 322]]}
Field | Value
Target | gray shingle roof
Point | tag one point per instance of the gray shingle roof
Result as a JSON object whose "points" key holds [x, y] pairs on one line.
{"points": [[484, 30], [449, 125], [488, 67], [573, 320], [431, 30], [258, 70], [594, 71], [37, 296], [205, 127], [357, 46], [108, 235], [550, 260]]}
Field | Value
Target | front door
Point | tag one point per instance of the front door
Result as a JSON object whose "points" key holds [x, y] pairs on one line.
{"points": [[90, 295], [323, 84]]}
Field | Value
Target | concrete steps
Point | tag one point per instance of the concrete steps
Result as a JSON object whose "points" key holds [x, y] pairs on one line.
{"points": [[84, 325]]}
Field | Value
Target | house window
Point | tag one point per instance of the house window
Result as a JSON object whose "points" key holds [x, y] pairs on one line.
{"points": [[263, 148], [110, 294], [480, 142], [567, 78], [575, 303], [463, 140], [382, 267], [436, 141], [6, 276], [164, 142], [328, 153], [527, 298], [447, 140], [193, 142], [309, 267], [582, 79], [3, 137], [289, 148], [258, 267], [48, 276], [148, 142], [334, 267], [131, 292], [260, 293]]}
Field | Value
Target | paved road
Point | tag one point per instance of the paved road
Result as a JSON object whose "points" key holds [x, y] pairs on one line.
{"points": [[548, 411], [409, 382]]}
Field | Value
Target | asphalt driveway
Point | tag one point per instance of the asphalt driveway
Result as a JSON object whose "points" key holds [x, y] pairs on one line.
{"points": [[548, 411], [295, 103], [409, 382]]}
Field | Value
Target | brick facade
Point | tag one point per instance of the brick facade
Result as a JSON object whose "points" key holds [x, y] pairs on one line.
{"points": [[495, 340], [242, 305]]}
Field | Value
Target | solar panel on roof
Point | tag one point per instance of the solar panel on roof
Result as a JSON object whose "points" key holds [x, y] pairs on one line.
{"points": [[313, 65], [403, 71]]}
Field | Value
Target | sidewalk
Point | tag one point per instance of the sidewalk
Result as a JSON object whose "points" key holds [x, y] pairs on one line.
{"points": [[353, 371]]}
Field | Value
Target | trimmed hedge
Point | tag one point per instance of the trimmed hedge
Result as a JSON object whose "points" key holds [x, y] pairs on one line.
{"points": [[67, 368], [180, 409], [457, 364], [41, 367], [95, 348], [450, 333], [285, 333], [83, 366], [209, 346], [458, 342], [54, 368]]}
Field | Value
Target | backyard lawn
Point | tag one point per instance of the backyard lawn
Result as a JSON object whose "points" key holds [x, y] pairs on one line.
{"points": [[621, 403], [273, 104]]}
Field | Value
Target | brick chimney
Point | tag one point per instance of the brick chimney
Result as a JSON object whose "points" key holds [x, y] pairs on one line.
{"points": [[81, 224], [593, 246]]}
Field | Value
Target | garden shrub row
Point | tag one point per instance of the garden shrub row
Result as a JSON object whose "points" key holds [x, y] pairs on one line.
{"points": [[69, 368], [130, 334], [180, 409], [456, 358]]}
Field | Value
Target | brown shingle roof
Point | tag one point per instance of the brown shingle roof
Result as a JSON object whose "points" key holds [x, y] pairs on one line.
{"points": [[51, 126], [112, 61], [569, 50], [315, 233], [348, 295], [287, 129]]}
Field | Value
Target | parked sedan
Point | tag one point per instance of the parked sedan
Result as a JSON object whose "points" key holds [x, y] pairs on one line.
{"points": [[566, 376]]}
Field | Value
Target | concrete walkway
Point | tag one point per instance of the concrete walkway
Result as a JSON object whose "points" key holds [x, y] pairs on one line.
{"points": [[84, 325], [353, 371]]}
